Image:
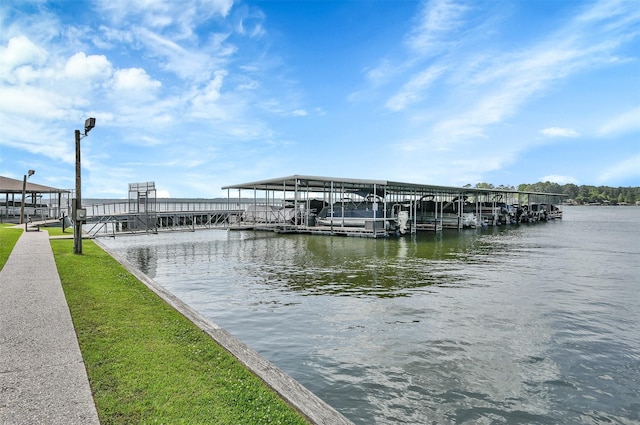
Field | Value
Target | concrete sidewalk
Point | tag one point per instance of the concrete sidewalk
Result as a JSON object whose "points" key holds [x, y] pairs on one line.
{"points": [[42, 375]]}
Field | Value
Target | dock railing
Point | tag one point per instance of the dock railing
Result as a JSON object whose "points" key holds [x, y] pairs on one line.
{"points": [[122, 207], [111, 218]]}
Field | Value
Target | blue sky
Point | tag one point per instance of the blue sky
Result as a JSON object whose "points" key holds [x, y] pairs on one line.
{"points": [[198, 94]]}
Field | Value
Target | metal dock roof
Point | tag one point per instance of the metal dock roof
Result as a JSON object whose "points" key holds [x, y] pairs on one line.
{"points": [[321, 184]]}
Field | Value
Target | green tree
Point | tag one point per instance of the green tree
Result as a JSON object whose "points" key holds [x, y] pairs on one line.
{"points": [[571, 190], [581, 194], [484, 186]]}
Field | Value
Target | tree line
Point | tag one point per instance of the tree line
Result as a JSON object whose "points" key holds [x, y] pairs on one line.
{"points": [[583, 194]]}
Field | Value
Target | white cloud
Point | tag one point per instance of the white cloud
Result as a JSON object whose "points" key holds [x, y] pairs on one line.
{"points": [[499, 90], [485, 90], [382, 72], [107, 37], [556, 178], [150, 141], [626, 169], [180, 17], [81, 66], [248, 84], [250, 25], [606, 9], [36, 103], [134, 80], [413, 91], [627, 122], [186, 63], [19, 51], [559, 132], [436, 21], [430, 35], [168, 30], [452, 168], [204, 101]]}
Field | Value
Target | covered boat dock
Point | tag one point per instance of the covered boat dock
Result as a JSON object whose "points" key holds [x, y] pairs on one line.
{"points": [[375, 208]]}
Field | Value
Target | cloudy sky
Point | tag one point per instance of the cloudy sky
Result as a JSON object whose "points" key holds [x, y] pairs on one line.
{"points": [[198, 94]]}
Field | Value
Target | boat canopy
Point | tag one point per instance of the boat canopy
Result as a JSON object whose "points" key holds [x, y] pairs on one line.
{"points": [[303, 183]]}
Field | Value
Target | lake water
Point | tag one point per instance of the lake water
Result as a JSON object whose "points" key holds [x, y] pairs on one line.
{"points": [[535, 324]]}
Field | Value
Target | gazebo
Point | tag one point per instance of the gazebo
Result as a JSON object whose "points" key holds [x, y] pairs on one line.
{"points": [[36, 202]]}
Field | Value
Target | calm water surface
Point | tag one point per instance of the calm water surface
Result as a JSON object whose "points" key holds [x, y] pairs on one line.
{"points": [[522, 324]]}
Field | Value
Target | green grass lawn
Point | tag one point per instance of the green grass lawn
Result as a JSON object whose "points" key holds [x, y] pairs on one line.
{"points": [[148, 364], [9, 235]]}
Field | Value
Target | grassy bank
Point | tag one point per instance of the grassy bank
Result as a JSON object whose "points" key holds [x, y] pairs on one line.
{"points": [[145, 361]]}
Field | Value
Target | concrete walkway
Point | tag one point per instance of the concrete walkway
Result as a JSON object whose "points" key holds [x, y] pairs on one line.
{"points": [[42, 375]]}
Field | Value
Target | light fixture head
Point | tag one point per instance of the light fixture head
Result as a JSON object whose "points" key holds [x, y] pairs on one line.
{"points": [[31, 172], [89, 124]]}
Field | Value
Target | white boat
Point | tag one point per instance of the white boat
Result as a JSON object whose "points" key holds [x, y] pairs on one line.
{"points": [[268, 214], [368, 213]]}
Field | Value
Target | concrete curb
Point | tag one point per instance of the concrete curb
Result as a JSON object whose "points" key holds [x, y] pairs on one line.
{"points": [[300, 398]]}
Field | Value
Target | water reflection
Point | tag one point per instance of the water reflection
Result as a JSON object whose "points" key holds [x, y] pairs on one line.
{"points": [[145, 258], [342, 266]]}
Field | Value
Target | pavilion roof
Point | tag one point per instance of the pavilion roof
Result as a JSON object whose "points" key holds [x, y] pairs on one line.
{"points": [[8, 185]]}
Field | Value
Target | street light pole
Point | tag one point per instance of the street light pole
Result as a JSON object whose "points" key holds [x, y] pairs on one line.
{"points": [[79, 214], [24, 193], [77, 224]]}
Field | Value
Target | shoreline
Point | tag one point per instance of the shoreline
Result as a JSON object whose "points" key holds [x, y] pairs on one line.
{"points": [[291, 391]]}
